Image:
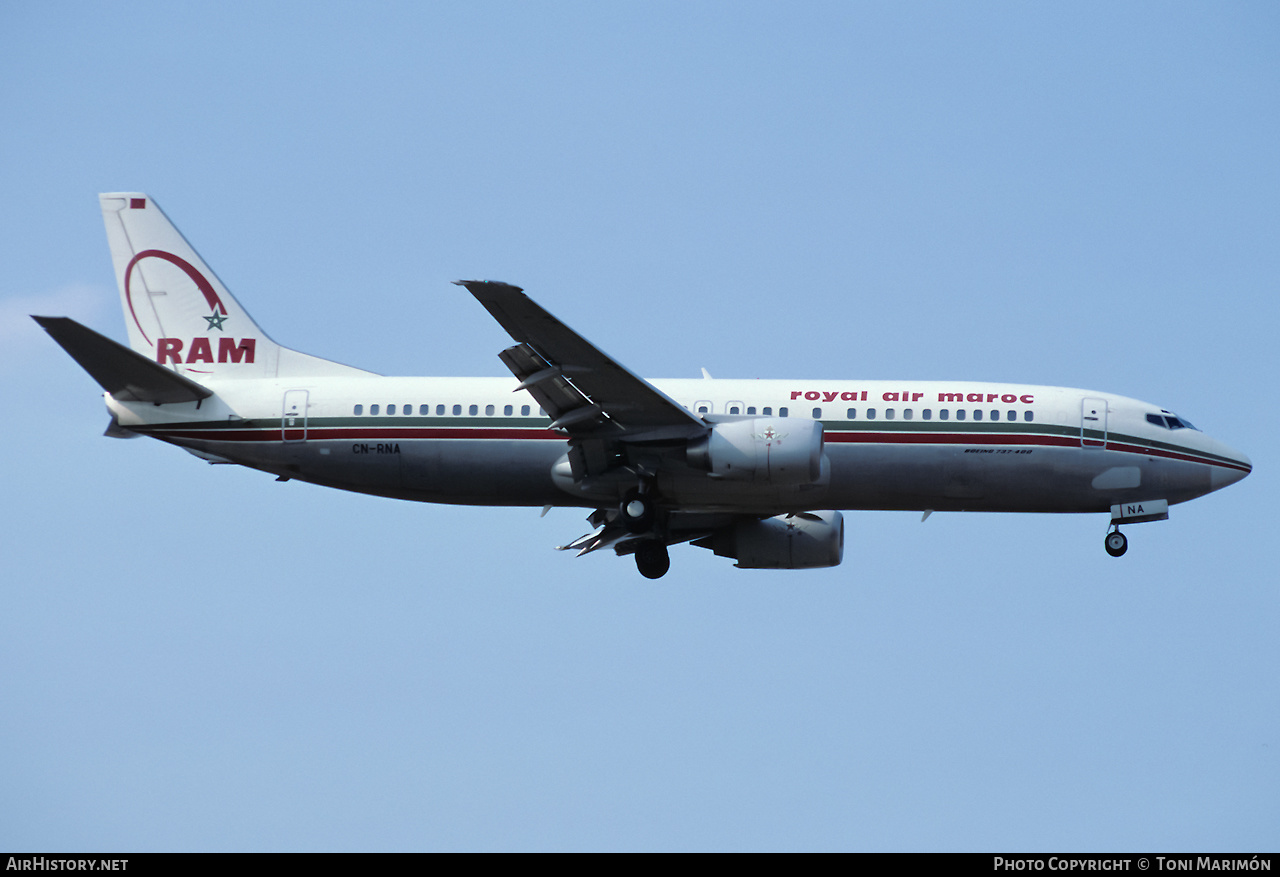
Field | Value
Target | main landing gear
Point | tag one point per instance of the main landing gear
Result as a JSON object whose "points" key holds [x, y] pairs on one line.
{"points": [[1116, 544], [652, 559], [636, 511]]}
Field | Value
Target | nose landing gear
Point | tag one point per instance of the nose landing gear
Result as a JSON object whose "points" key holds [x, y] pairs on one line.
{"points": [[1132, 513], [1116, 543]]}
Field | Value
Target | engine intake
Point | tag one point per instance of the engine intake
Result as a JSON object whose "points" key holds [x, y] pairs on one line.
{"points": [[777, 450]]}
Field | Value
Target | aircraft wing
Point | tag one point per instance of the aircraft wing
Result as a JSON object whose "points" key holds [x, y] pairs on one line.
{"points": [[587, 394]]}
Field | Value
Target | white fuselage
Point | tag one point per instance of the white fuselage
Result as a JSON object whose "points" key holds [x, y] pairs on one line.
{"points": [[888, 444]]}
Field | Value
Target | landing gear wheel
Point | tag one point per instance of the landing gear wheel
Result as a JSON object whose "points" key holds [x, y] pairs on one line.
{"points": [[636, 513], [1116, 543], [652, 559]]}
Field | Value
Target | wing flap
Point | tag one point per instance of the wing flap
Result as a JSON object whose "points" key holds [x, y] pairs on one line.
{"points": [[548, 384], [126, 374]]}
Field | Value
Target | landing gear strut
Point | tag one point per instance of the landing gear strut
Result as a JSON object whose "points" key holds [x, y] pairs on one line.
{"points": [[1116, 543], [652, 559], [636, 512]]}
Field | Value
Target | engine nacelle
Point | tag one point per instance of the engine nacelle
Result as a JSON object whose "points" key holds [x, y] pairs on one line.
{"points": [[812, 540], [777, 450]]}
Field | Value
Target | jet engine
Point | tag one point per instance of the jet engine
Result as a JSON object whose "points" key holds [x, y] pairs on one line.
{"points": [[808, 540], [776, 450]]}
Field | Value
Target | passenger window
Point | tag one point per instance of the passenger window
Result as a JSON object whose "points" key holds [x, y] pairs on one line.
{"points": [[473, 410], [439, 409], [1028, 416], [702, 409], [1011, 416], [524, 410], [488, 411], [407, 409], [995, 416], [373, 409], [541, 413], [506, 410], [424, 410], [751, 409], [817, 414], [782, 412], [852, 414], [391, 409], [906, 414], [926, 414], [959, 414], [768, 411], [871, 414], [457, 409], [888, 414], [359, 410], [977, 415], [944, 414]]}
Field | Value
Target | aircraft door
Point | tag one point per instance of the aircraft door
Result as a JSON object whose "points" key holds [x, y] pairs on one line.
{"points": [[293, 424], [1093, 423]]}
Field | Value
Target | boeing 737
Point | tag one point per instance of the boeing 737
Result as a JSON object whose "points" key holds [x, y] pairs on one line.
{"points": [[754, 470]]}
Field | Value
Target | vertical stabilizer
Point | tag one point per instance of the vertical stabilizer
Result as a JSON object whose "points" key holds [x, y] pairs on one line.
{"points": [[176, 309]]}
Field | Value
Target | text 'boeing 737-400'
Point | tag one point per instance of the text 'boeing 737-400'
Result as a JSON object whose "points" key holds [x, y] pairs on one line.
{"points": [[755, 470]]}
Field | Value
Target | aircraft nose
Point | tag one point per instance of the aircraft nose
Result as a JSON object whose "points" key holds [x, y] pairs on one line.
{"points": [[1222, 476]]}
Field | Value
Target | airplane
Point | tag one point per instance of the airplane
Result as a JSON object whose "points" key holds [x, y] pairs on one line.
{"points": [[754, 470]]}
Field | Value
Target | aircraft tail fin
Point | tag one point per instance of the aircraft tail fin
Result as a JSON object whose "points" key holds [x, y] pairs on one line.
{"points": [[178, 313]]}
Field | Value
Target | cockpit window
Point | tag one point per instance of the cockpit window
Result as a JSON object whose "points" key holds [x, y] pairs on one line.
{"points": [[1169, 420]]}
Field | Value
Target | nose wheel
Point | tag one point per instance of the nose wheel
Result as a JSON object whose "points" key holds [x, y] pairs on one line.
{"points": [[1116, 543]]}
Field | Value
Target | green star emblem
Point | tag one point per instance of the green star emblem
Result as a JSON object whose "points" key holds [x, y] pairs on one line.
{"points": [[216, 321]]}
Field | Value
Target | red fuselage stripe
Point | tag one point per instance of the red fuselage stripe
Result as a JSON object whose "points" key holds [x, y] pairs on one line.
{"points": [[382, 434]]}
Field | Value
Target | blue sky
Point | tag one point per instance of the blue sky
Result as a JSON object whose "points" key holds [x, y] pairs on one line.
{"points": [[1080, 194]]}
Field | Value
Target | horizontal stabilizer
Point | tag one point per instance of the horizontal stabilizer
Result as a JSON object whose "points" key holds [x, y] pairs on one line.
{"points": [[115, 430], [125, 374]]}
